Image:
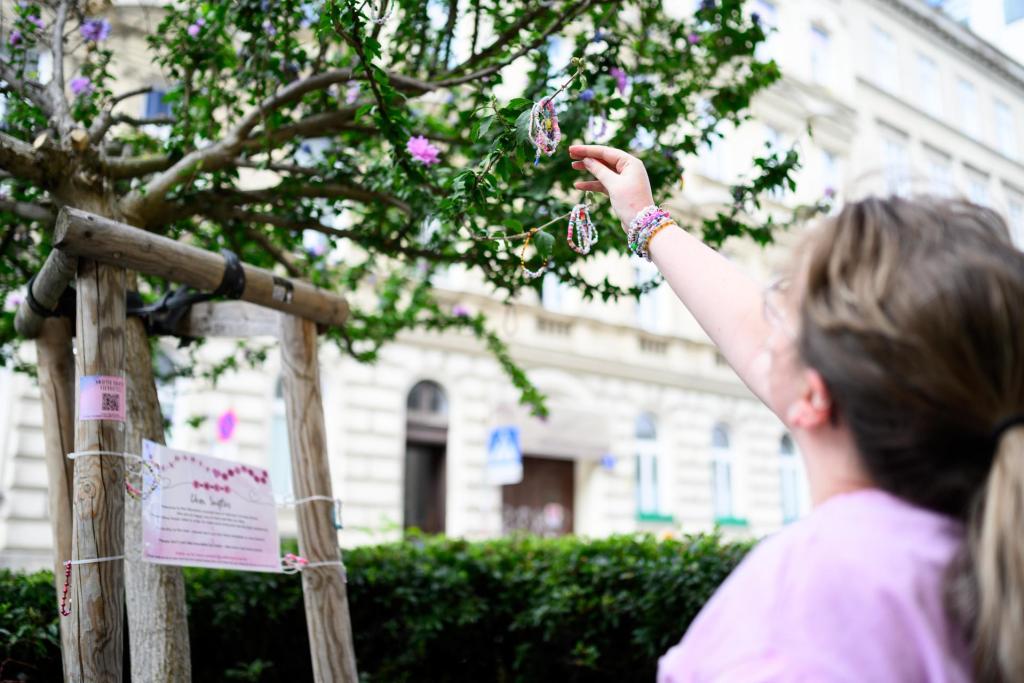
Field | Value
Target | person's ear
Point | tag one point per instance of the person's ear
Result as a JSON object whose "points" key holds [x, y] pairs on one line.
{"points": [[813, 407]]}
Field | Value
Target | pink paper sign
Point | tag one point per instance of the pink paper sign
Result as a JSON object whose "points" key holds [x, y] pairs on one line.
{"points": [[101, 397], [207, 512]]}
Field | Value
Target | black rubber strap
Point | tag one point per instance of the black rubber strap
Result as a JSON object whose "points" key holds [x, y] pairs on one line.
{"points": [[65, 304], [232, 285]]}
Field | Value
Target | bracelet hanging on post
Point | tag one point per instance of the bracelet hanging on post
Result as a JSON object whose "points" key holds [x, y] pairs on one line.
{"points": [[527, 273], [582, 227], [544, 131], [142, 494]]}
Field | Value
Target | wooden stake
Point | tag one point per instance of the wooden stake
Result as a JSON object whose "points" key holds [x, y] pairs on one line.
{"points": [[57, 389], [58, 270], [155, 593], [97, 590], [323, 588], [87, 235]]}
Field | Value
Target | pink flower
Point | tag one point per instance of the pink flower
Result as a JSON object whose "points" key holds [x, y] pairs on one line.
{"points": [[421, 150], [193, 30], [15, 37], [81, 85], [621, 80], [694, 38]]}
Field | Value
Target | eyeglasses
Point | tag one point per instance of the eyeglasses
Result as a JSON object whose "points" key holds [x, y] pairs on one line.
{"points": [[774, 297]]}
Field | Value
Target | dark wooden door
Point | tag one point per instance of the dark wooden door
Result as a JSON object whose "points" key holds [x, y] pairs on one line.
{"points": [[424, 487], [542, 503]]}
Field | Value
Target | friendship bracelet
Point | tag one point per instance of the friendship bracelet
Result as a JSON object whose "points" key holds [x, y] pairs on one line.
{"points": [[65, 602], [544, 131], [293, 564], [586, 231], [654, 233], [527, 273], [335, 509]]}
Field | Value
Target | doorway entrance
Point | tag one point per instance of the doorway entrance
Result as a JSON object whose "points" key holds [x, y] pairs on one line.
{"points": [[423, 503], [542, 503]]}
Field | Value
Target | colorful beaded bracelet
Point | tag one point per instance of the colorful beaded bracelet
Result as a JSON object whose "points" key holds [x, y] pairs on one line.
{"points": [[584, 228]]}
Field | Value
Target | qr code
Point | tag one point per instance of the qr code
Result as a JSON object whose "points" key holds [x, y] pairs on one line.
{"points": [[111, 403]]}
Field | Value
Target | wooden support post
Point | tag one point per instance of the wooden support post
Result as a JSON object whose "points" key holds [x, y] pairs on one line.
{"points": [[87, 235], [58, 270], [155, 593], [57, 390], [323, 588], [97, 609]]}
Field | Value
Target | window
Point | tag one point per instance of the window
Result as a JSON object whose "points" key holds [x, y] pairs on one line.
{"points": [[1013, 10], [721, 473], [789, 475], [650, 315], [1006, 130], [820, 49], [280, 454], [885, 59], [156, 105], [967, 96], [895, 162], [977, 187], [650, 499], [930, 85], [940, 172]]}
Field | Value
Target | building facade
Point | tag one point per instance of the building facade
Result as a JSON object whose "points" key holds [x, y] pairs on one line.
{"points": [[649, 430]]}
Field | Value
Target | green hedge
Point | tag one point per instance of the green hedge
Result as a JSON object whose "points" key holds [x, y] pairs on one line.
{"points": [[431, 609]]}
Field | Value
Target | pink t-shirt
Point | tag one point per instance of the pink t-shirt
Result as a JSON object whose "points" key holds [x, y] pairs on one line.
{"points": [[852, 593]]}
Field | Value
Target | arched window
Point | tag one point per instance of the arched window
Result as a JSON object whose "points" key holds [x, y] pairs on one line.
{"points": [[280, 455], [426, 440], [721, 473], [650, 501]]}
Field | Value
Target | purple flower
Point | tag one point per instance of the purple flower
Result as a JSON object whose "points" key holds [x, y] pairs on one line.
{"points": [[707, 5], [39, 23], [352, 92], [81, 85], [587, 95], [460, 311], [270, 29], [421, 150], [621, 80], [694, 38], [193, 30], [95, 30], [15, 37], [598, 36], [830, 193]]}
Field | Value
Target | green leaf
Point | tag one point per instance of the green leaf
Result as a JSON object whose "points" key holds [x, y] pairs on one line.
{"points": [[545, 243]]}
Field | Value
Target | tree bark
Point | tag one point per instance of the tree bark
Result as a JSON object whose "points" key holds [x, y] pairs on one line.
{"points": [[97, 608], [323, 587], [157, 619], [57, 389]]}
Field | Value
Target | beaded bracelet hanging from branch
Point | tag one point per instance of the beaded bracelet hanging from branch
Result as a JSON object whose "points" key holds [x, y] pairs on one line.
{"points": [[582, 233], [545, 133], [527, 273]]}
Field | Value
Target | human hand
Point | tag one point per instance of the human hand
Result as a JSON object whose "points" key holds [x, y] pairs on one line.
{"points": [[619, 175]]}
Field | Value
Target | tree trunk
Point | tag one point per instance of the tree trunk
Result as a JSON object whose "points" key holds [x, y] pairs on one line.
{"points": [[157, 621], [57, 389]]}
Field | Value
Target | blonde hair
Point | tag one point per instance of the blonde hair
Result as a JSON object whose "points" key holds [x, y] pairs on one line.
{"points": [[913, 314]]}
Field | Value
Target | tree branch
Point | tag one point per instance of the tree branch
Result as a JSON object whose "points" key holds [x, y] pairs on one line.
{"points": [[503, 40], [21, 159], [31, 90], [142, 204], [105, 120], [279, 255], [61, 114], [121, 168], [28, 210]]}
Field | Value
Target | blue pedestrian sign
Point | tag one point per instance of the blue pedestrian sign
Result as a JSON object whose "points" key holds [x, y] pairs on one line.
{"points": [[504, 456]]}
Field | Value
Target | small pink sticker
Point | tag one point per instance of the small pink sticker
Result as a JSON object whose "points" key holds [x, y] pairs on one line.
{"points": [[101, 397]]}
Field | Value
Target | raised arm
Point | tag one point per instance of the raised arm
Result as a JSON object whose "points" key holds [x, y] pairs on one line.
{"points": [[726, 302]]}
